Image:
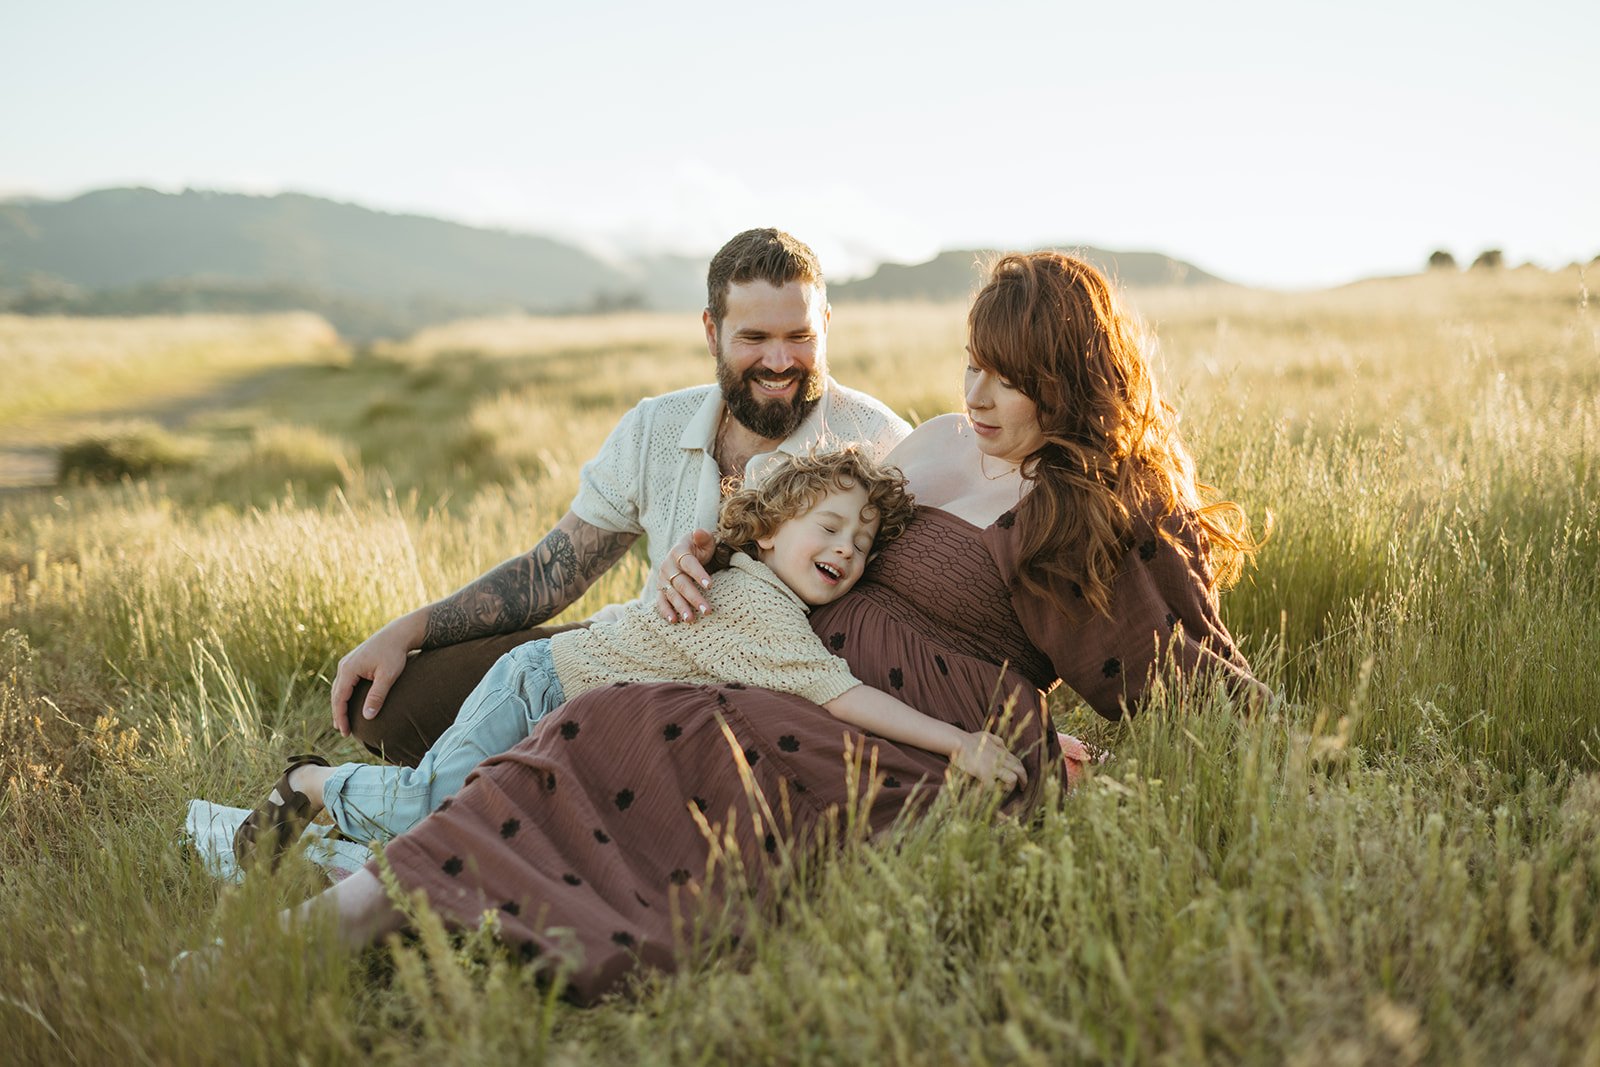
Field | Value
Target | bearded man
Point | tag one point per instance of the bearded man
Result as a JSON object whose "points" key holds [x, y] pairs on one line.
{"points": [[660, 474]]}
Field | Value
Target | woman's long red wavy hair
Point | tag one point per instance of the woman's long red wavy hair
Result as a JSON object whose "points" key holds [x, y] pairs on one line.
{"points": [[1050, 325]]}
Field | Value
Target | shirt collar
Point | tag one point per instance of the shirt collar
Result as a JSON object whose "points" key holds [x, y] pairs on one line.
{"points": [[756, 568], [700, 433]]}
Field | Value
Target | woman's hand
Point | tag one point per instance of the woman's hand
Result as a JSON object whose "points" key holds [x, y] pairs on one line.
{"points": [[682, 581], [986, 758]]}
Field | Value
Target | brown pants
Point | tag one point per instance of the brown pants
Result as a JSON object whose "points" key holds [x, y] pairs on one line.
{"points": [[425, 699]]}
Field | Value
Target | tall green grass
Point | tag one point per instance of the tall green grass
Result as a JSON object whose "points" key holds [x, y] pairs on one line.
{"points": [[1400, 864]]}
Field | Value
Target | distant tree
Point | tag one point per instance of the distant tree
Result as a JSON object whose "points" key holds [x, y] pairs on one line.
{"points": [[606, 302], [41, 295], [1442, 260], [1489, 259]]}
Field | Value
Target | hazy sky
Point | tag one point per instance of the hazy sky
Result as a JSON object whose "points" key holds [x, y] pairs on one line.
{"points": [[1273, 143]]}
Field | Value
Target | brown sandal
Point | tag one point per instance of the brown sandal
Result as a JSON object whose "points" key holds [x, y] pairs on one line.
{"points": [[278, 822]]}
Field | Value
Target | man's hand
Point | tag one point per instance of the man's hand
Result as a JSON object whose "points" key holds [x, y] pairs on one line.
{"points": [[381, 658], [521, 592], [986, 758], [682, 580]]}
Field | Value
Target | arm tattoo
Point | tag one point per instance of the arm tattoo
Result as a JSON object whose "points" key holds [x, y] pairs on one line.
{"points": [[529, 589]]}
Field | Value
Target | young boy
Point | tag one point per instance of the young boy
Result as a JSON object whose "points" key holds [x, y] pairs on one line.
{"points": [[800, 539]]}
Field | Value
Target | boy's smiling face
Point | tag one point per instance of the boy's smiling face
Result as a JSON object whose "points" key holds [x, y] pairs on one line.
{"points": [[821, 553]]}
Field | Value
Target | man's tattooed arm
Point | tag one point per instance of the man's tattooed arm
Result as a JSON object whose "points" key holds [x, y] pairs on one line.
{"points": [[529, 589]]}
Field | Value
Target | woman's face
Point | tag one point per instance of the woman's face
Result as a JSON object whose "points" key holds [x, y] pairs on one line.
{"points": [[1005, 420]]}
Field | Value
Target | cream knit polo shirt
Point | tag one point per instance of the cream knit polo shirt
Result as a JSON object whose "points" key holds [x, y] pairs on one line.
{"points": [[756, 634], [655, 474]]}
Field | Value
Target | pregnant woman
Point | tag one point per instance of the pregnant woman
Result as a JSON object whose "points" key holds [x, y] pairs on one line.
{"points": [[1060, 535]]}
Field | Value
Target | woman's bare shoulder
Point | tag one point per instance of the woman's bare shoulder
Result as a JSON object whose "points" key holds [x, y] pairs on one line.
{"points": [[951, 422], [936, 433]]}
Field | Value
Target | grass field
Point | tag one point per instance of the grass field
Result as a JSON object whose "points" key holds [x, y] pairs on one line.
{"points": [[1401, 866]]}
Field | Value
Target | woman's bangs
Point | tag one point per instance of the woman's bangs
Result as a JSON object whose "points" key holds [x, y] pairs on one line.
{"points": [[998, 338]]}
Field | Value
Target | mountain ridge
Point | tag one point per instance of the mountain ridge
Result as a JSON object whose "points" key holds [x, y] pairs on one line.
{"points": [[957, 273], [133, 250]]}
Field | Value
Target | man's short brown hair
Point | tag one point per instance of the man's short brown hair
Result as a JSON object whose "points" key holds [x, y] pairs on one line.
{"points": [[767, 255]]}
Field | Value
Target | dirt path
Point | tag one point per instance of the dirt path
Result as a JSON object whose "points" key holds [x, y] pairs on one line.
{"points": [[29, 446]]}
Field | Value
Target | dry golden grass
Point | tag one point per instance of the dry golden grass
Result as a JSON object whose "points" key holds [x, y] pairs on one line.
{"points": [[56, 366], [1402, 865]]}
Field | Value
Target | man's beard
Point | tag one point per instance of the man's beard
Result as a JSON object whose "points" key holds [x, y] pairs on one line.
{"points": [[772, 419]]}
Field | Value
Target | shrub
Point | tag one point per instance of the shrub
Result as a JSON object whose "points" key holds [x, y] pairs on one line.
{"points": [[1489, 259], [131, 450], [1442, 260], [280, 456]]}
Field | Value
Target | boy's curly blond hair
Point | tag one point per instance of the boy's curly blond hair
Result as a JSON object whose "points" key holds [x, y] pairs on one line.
{"points": [[795, 484]]}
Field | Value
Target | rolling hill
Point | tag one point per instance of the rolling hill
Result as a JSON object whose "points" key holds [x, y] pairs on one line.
{"points": [[132, 251], [955, 275]]}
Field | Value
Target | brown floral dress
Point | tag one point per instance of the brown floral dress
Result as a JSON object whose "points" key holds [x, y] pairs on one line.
{"points": [[590, 841]]}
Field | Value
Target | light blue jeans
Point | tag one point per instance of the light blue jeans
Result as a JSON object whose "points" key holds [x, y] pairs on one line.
{"points": [[375, 803]]}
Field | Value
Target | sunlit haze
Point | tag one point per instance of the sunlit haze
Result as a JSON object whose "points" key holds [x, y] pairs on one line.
{"points": [[1270, 143]]}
